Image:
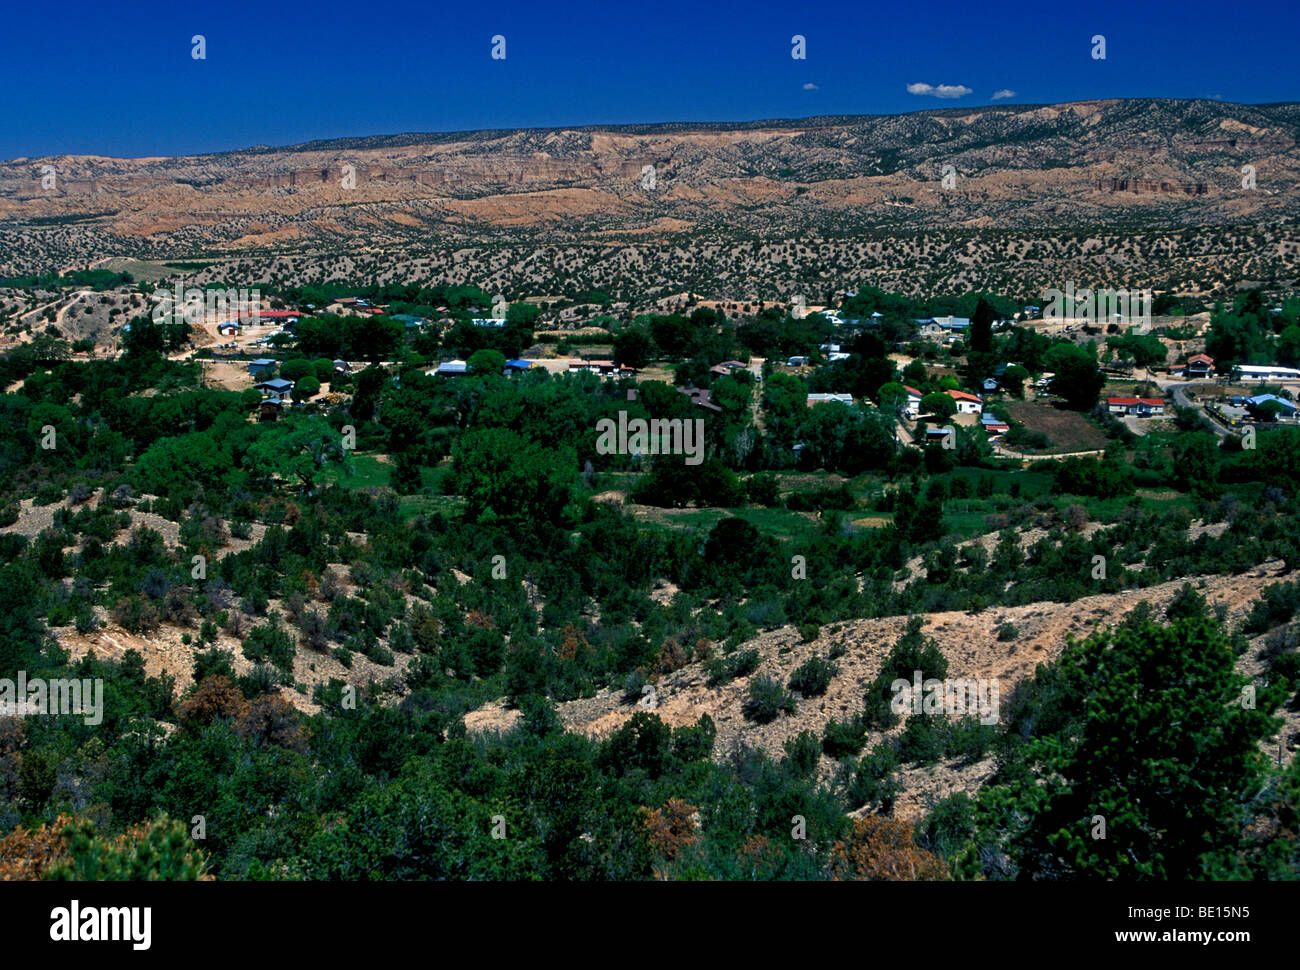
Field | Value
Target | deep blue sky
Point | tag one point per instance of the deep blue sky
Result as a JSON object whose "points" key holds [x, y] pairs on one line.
{"points": [[108, 79]]}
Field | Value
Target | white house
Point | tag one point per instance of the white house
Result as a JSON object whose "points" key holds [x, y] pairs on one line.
{"points": [[1142, 407], [826, 398], [913, 401], [1268, 372], [605, 368], [449, 367], [967, 403]]}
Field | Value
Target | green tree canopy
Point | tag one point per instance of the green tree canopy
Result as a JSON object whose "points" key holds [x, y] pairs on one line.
{"points": [[297, 449], [942, 406], [1156, 741], [505, 476], [1077, 378], [487, 362]]}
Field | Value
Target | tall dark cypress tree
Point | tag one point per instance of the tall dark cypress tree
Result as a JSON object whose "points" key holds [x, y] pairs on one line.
{"points": [[981, 328]]}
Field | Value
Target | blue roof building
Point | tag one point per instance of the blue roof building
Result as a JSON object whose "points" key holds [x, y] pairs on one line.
{"points": [[277, 391], [1289, 407]]}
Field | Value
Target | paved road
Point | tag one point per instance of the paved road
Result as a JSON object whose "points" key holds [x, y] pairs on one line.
{"points": [[1177, 388], [1183, 401]]}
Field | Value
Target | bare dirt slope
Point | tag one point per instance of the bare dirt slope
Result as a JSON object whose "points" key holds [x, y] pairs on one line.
{"points": [[970, 643]]}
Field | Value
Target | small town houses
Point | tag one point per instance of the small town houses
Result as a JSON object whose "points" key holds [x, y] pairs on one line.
{"points": [[913, 406], [605, 368], [277, 390], [1267, 372], [1285, 408], [726, 367], [936, 435], [945, 329], [410, 323], [1142, 407], [967, 403], [829, 398], [1198, 366], [993, 425], [701, 397], [833, 352]]}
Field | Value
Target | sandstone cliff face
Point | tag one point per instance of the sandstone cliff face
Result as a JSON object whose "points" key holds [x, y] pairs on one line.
{"points": [[1165, 165], [1151, 186]]}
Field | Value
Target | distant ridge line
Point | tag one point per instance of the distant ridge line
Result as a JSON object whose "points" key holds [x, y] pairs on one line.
{"points": [[671, 127]]}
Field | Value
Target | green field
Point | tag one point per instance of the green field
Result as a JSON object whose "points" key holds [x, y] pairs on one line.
{"points": [[412, 505], [1032, 483], [366, 471]]}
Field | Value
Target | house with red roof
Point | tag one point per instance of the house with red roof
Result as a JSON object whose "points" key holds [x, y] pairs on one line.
{"points": [[1142, 407], [1197, 366], [967, 403], [913, 401], [993, 425]]}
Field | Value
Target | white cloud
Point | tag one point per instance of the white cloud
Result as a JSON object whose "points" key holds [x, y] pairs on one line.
{"points": [[1004, 93], [939, 91], [810, 86]]}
